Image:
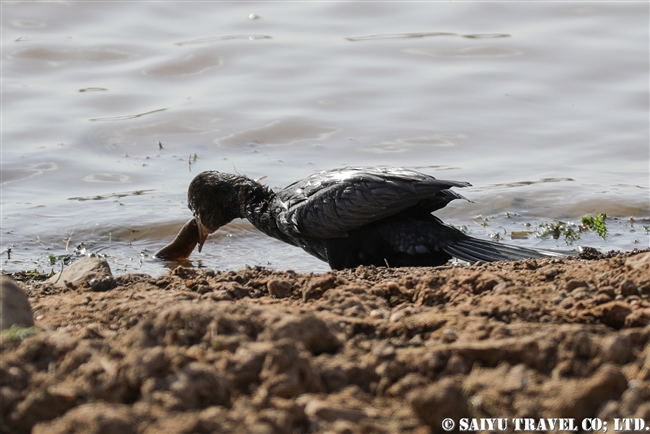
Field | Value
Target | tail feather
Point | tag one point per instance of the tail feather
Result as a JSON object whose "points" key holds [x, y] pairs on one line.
{"points": [[473, 249]]}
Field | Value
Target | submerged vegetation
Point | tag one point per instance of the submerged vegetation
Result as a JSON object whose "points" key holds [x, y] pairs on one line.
{"points": [[79, 250], [596, 224], [31, 275], [61, 261], [558, 229], [571, 232]]}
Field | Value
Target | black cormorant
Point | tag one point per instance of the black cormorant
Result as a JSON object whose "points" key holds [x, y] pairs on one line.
{"points": [[346, 217]]}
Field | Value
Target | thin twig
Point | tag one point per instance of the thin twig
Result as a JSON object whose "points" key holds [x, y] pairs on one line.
{"points": [[67, 243], [60, 273]]}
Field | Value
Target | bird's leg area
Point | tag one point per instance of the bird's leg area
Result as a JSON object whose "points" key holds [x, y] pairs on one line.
{"points": [[348, 252], [338, 255]]}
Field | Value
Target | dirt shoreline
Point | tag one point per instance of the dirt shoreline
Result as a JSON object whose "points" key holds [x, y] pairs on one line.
{"points": [[362, 350]]}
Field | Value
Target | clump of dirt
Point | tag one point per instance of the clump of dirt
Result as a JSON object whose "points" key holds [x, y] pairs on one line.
{"points": [[362, 350]]}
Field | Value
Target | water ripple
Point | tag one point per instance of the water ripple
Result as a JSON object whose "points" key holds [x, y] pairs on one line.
{"points": [[58, 56], [480, 51], [125, 117], [210, 39], [17, 174], [116, 178], [111, 195], [191, 64], [423, 35], [280, 132]]}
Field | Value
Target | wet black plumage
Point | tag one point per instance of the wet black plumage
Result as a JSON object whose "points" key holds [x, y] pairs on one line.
{"points": [[346, 217]]}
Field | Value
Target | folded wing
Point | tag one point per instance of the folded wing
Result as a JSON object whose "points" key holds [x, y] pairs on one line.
{"points": [[329, 204]]}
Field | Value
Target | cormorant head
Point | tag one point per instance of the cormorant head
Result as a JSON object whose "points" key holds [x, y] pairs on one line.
{"points": [[213, 197]]}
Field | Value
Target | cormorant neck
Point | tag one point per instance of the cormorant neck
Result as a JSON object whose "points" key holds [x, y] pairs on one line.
{"points": [[256, 202], [253, 199]]}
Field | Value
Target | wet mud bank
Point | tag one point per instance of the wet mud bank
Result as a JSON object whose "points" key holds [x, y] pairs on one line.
{"points": [[362, 350]]}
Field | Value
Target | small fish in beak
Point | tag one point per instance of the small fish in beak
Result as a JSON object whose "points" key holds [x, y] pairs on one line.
{"points": [[188, 237]]}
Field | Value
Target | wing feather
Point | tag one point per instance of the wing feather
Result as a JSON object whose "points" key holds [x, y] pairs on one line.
{"points": [[331, 203]]}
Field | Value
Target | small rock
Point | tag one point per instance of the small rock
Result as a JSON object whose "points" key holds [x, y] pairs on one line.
{"points": [[449, 335], [439, 401], [608, 291], [312, 293], [331, 413], [287, 372], [567, 303], [638, 318], [318, 285], [627, 288], [638, 262], [379, 313], [93, 273], [581, 344], [92, 418], [612, 314], [407, 383], [630, 401], [548, 273], [383, 350], [42, 405], [580, 398], [575, 284], [245, 365], [309, 330], [279, 288], [338, 373], [517, 378], [199, 385], [14, 305]]}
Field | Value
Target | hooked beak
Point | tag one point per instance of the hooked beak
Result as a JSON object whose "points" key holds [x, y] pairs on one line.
{"points": [[203, 233]]}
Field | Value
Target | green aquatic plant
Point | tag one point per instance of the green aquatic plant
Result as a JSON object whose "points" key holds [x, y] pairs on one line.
{"points": [[462, 228], [63, 259], [558, 229], [17, 333], [520, 235], [30, 275], [497, 236], [595, 224], [79, 250]]}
